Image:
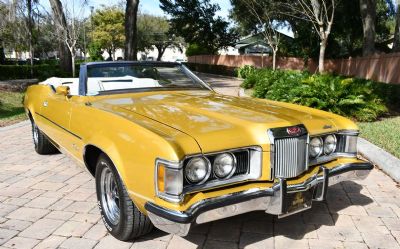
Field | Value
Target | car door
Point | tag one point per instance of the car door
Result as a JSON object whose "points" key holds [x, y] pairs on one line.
{"points": [[56, 114]]}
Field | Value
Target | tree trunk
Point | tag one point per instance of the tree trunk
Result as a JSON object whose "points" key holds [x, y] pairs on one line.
{"points": [[109, 51], [62, 28], [73, 65], [396, 42], [2, 53], [161, 51], [368, 16], [131, 29], [30, 33], [65, 57], [321, 61], [274, 59]]}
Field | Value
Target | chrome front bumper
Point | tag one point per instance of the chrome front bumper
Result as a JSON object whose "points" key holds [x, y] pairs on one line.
{"points": [[272, 200]]}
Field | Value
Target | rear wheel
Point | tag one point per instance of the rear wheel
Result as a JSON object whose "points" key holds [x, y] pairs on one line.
{"points": [[120, 215], [43, 146]]}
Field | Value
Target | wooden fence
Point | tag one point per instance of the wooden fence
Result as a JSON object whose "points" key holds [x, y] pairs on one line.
{"points": [[382, 68]]}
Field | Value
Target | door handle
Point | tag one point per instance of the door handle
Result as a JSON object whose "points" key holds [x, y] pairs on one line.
{"points": [[45, 103]]}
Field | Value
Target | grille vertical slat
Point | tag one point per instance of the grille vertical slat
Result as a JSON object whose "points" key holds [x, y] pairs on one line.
{"points": [[290, 156]]}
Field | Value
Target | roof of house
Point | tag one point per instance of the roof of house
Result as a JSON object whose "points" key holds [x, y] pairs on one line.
{"points": [[255, 39]]}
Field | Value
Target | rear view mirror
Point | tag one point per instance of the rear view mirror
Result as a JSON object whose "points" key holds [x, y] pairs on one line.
{"points": [[62, 90]]}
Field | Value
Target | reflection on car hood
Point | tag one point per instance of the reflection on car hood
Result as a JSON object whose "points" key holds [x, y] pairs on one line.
{"points": [[217, 121]]}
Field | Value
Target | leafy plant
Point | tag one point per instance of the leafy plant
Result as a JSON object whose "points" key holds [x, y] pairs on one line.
{"points": [[245, 71], [350, 97]]}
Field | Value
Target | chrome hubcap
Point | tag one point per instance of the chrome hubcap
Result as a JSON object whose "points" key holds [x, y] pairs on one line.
{"points": [[109, 196]]}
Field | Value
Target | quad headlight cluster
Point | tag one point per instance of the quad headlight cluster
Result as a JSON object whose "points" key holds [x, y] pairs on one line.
{"points": [[322, 145], [199, 169], [175, 179]]}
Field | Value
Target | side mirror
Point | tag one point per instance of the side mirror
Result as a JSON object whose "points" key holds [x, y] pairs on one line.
{"points": [[62, 90]]}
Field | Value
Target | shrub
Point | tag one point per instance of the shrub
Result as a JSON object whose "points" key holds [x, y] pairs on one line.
{"points": [[213, 69], [245, 71], [96, 54], [41, 72], [196, 49], [351, 97]]}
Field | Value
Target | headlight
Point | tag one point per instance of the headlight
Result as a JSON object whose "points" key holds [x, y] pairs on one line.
{"points": [[329, 144], [315, 146], [224, 165], [198, 170]]}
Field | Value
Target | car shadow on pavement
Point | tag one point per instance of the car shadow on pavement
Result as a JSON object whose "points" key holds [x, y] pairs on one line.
{"points": [[259, 228]]}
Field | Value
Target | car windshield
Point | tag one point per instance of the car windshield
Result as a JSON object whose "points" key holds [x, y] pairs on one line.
{"points": [[120, 78]]}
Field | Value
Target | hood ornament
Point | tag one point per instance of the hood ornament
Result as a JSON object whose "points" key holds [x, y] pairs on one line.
{"points": [[293, 131]]}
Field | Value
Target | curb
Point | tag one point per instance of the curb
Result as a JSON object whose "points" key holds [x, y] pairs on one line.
{"points": [[381, 158], [217, 75], [242, 93], [14, 126]]}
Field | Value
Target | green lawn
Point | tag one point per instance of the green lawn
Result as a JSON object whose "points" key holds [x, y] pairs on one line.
{"points": [[11, 108], [384, 133]]}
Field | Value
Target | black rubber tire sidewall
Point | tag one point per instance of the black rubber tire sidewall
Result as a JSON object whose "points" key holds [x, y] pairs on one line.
{"points": [[43, 146], [123, 229]]}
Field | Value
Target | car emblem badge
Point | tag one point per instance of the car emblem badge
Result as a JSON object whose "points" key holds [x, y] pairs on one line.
{"points": [[327, 127], [293, 131]]}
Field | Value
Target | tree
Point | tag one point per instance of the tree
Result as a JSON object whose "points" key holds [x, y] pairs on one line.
{"points": [[196, 21], [154, 31], [68, 32], [108, 29], [321, 14], [30, 26], [3, 13], [368, 16], [396, 42], [131, 38], [264, 23]]}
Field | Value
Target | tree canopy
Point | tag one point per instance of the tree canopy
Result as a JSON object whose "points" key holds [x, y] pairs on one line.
{"points": [[108, 29], [155, 31], [196, 21], [346, 38]]}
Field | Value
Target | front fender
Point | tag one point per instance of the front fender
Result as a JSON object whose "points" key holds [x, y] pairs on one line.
{"points": [[133, 148]]}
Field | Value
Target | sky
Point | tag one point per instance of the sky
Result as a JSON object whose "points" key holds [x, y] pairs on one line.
{"points": [[148, 6]]}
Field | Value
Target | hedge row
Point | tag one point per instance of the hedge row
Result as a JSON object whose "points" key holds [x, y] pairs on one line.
{"points": [[213, 69], [359, 99], [41, 72]]}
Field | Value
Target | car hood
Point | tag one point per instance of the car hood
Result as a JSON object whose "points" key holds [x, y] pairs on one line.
{"points": [[217, 121]]}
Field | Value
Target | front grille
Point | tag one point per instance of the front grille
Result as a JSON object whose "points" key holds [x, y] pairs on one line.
{"points": [[290, 156]]}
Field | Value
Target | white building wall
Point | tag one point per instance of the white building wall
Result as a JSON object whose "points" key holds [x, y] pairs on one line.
{"points": [[171, 54], [229, 51]]}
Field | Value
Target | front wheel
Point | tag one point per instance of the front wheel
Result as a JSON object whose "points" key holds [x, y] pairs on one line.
{"points": [[43, 146], [121, 217]]}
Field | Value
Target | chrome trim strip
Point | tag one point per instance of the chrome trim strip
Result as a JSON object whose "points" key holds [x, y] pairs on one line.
{"points": [[331, 157]]}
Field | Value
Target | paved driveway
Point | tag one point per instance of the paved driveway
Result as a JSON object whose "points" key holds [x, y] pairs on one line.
{"points": [[49, 202]]}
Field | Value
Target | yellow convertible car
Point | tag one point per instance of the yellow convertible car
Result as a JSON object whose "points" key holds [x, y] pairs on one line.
{"points": [[167, 151]]}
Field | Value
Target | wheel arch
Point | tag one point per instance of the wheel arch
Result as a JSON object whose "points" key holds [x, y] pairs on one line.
{"points": [[91, 154]]}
